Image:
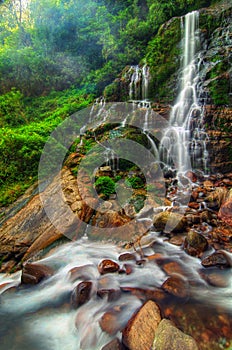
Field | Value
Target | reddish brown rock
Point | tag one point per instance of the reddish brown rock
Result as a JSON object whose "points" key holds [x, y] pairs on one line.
{"points": [[176, 240], [194, 205], [191, 175], [216, 279], [108, 288], [216, 198], [219, 258], [81, 294], [146, 294], [34, 273], [140, 331], [126, 257], [109, 322], [225, 212], [84, 272], [107, 266], [126, 268], [176, 285], [208, 184], [171, 267]]}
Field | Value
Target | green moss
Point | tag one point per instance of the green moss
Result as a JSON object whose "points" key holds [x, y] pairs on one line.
{"points": [[135, 182], [219, 91], [163, 58], [105, 186]]}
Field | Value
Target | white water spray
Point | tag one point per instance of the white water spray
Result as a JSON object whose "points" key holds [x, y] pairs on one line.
{"points": [[185, 135]]}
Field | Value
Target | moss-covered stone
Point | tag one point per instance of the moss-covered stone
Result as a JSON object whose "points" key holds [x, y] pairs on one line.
{"points": [[167, 336]]}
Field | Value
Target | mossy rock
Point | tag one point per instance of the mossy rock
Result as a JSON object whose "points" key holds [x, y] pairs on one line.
{"points": [[169, 222], [167, 336]]}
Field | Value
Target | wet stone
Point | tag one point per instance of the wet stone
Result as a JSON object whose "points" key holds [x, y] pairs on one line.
{"points": [[169, 222], [194, 205], [115, 344], [168, 336], [191, 175], [107, 266], [81, 294], [216, 279], [110, 294], [84, 272], [126, 268], [195, 244], [126, 257], [109, 322], [35, 273], [177, 286], [108, 288], [220, 258], [140, 330], [145, 294], [173, 267], [176, 240], [141, 262]]}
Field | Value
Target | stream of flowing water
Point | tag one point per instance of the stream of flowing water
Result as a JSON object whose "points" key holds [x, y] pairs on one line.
{"points": [[40, 317]]}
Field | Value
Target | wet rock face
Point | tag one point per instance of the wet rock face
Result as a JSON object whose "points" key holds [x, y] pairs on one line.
{"points": [[167, 336], [167, 221], [177, 286], [35, 273], [225, 212], [219, 258], [219, 120], [140, 330], [195, 244], [81, 294], [107, 288], [107, 266]]}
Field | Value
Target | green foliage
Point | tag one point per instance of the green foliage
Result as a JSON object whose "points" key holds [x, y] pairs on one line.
{"points": [[163, 57], [21, 146], [105, 185], [219, 91], [12, 109], [135, 182]]}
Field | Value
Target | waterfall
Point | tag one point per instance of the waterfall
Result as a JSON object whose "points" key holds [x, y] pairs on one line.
{"points": [[185, 139], [139, 80]]}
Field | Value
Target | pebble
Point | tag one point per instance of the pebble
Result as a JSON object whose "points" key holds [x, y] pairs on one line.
{"points": [[107, 266]]}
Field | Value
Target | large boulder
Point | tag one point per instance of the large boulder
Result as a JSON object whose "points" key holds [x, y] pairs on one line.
{"points": [[195, 244], [35, 273], [81, 294], [140, 330], [169, 222], [220, 258], [167, 336]]}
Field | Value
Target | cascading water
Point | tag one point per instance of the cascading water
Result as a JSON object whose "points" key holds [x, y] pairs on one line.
{"points": [[138, 87], [184, 141]]}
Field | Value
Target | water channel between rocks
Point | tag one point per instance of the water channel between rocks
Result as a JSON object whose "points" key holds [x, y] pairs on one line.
{"points": [[41, 318]]}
